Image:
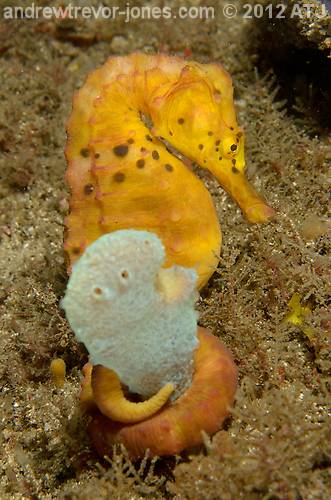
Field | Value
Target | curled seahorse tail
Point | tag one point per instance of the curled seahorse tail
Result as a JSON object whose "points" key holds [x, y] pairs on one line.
{"points": [[109, 397]]}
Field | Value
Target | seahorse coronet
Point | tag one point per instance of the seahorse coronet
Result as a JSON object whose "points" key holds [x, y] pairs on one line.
{"points": [[121, 173]]}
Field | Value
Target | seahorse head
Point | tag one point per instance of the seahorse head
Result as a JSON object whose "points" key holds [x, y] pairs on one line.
{"points": [[196, 115]]}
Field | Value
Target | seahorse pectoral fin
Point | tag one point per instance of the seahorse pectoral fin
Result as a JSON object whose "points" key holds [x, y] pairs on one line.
{"points": [[109, 397]]}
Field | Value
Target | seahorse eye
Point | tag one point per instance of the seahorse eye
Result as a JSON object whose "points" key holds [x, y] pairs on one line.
{"points": [[229, 146]]}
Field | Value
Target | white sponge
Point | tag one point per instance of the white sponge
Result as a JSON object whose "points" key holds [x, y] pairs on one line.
{"points": [[133, 316]]}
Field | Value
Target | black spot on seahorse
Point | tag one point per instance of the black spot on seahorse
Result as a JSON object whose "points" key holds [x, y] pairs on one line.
{"points": [[140, 163], [88, 189], [119, 177], [85, 152], [121, 150]]}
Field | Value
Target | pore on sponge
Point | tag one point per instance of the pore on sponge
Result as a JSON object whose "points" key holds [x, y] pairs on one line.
{"points": [[133, 316]]}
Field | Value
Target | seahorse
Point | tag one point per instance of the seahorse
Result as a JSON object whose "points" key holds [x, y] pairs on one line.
{"points": [[130, 122]]}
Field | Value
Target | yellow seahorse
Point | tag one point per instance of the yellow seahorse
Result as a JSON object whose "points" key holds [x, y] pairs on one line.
{"points": [[123, 173]]}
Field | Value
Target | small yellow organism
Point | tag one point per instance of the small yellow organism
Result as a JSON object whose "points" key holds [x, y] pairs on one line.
{"points": [[58, 371], [297, 314]]}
